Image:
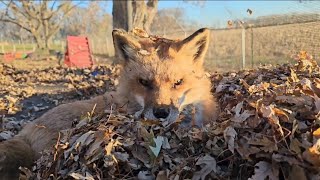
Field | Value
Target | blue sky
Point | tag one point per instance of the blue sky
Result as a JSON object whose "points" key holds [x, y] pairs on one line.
{"points": [[217, 13]]}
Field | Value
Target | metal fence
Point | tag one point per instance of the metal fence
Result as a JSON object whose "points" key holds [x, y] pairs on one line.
{"points": [[230, 49], [234, 49]]}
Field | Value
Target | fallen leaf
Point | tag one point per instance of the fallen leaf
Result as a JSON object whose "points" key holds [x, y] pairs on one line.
{"points": [[208, 164], [297, 172], [156, 150], [145, 175], [230, 135], [262, 171]]}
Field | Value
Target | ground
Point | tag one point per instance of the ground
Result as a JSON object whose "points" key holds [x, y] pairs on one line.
{"points": [[268, 127]]}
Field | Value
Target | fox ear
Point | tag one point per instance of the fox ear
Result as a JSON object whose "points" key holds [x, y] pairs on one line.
{"points": [[125, 45], [196, 45]]}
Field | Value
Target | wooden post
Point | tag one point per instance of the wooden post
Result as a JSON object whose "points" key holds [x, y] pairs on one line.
{"points": [[62, 47], [14, 48], [99, 44], [243, 48], [92, 47], [107, 47], [252, 48], [23, 45], [129, 15], [33, 46], [2, 48]]}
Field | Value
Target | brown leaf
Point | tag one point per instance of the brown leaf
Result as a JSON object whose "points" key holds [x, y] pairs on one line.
{"points": [[312, 154], [316, 133], [297, 172], [245, 150], [230, 135], [207, 164], [162, 175], [281, 114], [267, 145], [295, 146], [264, 170], [241, 117]]}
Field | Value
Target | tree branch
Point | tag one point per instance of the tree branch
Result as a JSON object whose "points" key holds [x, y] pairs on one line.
{"points": [[52, 6], [16, 23]]}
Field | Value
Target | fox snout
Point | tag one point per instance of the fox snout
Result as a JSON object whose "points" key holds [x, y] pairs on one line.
{"points": [[162, 111]]}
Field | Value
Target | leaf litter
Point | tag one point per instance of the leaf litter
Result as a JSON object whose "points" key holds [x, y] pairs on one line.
{"points": [[268, 128]]}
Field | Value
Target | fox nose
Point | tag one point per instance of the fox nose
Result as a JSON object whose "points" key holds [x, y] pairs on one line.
{"points": [[161, 112]]}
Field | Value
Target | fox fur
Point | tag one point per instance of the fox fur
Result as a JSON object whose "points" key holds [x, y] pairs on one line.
{"points": [[158, 75]]}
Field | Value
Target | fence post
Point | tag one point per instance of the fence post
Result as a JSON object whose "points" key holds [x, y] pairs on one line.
{"points": [[92, 46], [23, 45], [33, 48], [107, 47], [243, 48], [252, 47], [62, 47], [2, 47], [100, 46]]}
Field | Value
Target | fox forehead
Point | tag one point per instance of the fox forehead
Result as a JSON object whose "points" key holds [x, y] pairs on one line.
{"points": [[156, 49], [162, 69], [160, 60]]}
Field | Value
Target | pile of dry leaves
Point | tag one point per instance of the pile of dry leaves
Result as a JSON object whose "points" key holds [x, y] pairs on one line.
{"points": [[268, 129], [25, 95], [20, 84]]}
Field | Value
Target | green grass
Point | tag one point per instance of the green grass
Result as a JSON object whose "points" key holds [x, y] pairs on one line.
{"points": [[26, 47]]}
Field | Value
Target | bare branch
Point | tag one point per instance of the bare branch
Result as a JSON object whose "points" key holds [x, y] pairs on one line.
{"points": [[52, 6], [37, 18], [28, 7], [16, 23]]}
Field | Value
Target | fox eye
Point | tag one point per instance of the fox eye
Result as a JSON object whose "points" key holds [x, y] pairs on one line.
{"points": [[178, 83], [145, 83]]}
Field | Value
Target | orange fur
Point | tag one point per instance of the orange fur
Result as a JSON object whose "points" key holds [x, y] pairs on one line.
{"points": [[156, 72]]}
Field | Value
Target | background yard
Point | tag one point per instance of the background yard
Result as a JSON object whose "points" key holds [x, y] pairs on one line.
{"points": [[269, 39]]}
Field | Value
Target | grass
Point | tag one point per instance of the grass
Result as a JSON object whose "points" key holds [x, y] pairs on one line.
{"points": [[6, 48], [28, 64]]}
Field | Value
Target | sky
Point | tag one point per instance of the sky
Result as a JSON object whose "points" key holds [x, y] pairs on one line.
{"points": [[217, 13], [214, 13]]}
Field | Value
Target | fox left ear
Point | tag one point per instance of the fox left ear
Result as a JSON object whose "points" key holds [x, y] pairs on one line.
{"points": [[196, 45], [125, 45]]}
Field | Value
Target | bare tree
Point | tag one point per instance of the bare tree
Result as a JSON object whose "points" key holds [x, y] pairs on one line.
{"points": [[82, 20], [42, 19], [135, 13], [91, 20]]}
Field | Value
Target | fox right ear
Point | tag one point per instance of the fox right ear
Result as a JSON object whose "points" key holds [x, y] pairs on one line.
{"points": [[196, 45], [125, 45]]}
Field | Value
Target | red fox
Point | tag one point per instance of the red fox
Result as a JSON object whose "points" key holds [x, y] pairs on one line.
{"points": [[159, 77]]}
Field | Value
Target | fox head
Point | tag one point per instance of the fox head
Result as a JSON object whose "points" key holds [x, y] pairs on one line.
{"points": [[162, 75]]}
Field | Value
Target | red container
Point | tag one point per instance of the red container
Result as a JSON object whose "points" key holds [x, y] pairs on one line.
{"points": [[78, 52], [8, 57]]}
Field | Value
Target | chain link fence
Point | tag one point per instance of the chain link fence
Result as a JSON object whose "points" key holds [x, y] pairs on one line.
{"points": [[234, 49], [274, 42]]}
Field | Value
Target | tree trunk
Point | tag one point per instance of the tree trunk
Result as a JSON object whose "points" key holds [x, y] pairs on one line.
{"points": [[42, 45], [39, 41], [120, 15], [141, 13]]}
